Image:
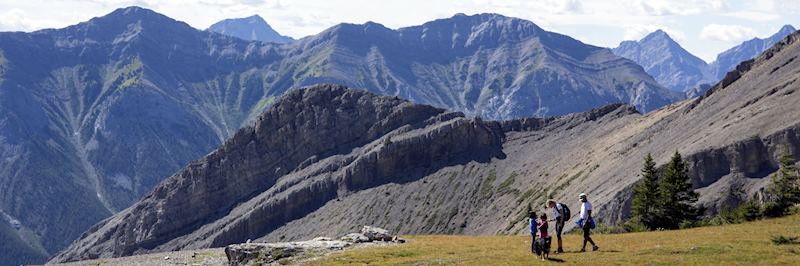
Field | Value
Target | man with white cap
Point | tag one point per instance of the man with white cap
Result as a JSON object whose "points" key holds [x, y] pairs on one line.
{"points": [[586, 222]]}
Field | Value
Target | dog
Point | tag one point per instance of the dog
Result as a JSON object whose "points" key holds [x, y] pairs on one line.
{"points": [[542, 247]]}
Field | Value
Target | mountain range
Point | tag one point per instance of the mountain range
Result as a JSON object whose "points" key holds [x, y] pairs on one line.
{"points": [[665, 60], [677, 69], [252, 28], [325, 159], [93, 116], [727, 60]]}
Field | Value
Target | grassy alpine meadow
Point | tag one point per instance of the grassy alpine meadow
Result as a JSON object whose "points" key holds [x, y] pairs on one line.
{"points": [[741, 244]]}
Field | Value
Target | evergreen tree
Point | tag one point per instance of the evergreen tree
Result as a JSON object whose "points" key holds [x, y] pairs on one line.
{"points": [[645, 208], [676, 196], [785, 187]]}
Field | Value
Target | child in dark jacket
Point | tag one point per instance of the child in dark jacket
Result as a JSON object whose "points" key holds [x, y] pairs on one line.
{"points": [[542, 245], [542, 226]]}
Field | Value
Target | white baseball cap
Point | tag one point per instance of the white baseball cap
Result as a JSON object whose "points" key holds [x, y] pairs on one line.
{"points": [[582, 196]]}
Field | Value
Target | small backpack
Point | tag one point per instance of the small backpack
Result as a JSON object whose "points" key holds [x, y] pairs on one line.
{"points": [[567, 212]]}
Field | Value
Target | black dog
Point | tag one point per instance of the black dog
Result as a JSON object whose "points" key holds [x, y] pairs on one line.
{"points": [[542, 247]]}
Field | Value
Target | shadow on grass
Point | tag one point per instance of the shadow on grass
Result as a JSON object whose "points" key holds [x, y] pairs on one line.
{"points": [[555, 260], [608, 251], [602, 250]]}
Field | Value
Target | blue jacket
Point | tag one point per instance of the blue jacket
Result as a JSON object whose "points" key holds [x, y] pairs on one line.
{"points": [[532, 224], [580, 223]]}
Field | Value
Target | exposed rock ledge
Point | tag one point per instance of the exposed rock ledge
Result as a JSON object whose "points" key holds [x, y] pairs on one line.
{"points": [[270, 253]]}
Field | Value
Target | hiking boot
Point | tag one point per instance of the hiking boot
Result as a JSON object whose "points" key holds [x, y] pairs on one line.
{"points": [[595, 248], [582, 250]]}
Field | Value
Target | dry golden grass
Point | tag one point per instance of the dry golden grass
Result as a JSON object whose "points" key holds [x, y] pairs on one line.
{"points": [[743, 244]]}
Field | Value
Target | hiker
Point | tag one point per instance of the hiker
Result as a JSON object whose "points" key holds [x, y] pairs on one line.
{"points": [[586, 222], [533, 225], [560, 215]]}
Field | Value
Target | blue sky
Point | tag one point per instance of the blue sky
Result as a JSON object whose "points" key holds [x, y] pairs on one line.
{"points": [[704, 27]]}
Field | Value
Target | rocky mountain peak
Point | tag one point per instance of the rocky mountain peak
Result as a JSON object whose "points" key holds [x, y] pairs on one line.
{"points": [[664, 59], [659, 34], [786, 30], [661, 38], [479, 25], [252, 28], [729, 59], [123, 25]]}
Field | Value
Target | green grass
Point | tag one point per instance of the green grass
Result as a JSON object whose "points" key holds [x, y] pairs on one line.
{"points": [[740, 244], [130, 74], [487, 189], [508, 182]]}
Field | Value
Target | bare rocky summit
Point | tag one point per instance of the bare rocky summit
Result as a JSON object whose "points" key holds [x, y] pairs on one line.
{"points": [[665, 60], [252, 28]]}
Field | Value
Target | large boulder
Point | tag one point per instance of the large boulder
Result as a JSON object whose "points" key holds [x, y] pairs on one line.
{"points": [[376, 234], [355, 238]]}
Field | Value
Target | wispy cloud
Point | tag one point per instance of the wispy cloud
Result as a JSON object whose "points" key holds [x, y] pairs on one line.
{"points": [[754, 15], [726, 33], [16, 19]]}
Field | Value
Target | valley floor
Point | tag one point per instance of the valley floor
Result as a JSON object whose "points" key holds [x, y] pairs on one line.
{"points": [[742, 244]]}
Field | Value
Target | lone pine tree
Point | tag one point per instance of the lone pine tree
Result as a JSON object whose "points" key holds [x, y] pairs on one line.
{"points": [[645, 208]]}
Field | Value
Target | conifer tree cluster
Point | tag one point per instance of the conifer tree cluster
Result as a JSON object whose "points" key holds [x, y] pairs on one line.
{"points": [[784, 191], [664, 201], [667, 200]]}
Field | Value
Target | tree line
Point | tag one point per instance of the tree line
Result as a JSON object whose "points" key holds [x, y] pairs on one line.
{"points": [[667, 201]]}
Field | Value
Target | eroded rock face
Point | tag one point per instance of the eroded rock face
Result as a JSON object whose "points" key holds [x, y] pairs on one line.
{"points": [[326, 141]]}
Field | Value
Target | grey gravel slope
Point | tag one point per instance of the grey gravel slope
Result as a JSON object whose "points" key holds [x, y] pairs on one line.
{"points": [[424, 170]]}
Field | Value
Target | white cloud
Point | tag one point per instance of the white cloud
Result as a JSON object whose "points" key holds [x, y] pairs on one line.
{"points": [[678, 7], [15, 19], [754, 15], [726, 33]]}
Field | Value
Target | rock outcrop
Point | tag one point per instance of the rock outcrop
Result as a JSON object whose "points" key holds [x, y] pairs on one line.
{"points": [[269, 253]]}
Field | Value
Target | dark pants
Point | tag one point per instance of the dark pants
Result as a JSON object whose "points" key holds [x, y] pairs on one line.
{"points": [[533, 243], [586, 238], [559, 229]]}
